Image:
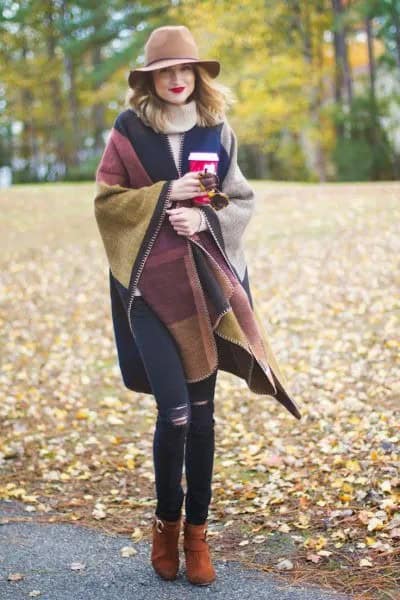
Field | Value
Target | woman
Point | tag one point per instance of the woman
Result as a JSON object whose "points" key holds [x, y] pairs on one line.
{"points": [[180, 294]]}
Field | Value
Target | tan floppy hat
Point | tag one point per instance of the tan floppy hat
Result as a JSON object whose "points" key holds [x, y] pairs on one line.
{"points": [[172, 45]]}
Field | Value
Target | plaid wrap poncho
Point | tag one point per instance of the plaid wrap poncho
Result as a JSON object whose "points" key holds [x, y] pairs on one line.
{"points": [[189, 281]]}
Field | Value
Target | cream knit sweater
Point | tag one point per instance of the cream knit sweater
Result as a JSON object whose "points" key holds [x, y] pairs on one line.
{"points": [[180, 118]]}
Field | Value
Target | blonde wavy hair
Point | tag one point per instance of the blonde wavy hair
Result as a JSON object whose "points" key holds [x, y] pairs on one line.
{"points": [[212, 99]]}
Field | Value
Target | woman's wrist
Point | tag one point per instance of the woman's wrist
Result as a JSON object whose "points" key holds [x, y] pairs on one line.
{"points": [[202, 221], [171, 192]]}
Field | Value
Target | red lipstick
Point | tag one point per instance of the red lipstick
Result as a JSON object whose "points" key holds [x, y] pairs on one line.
{"points": [[177, 90]]}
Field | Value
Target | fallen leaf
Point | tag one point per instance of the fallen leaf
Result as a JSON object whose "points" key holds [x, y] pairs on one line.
{"points": [[315, 558], [15, 577], [285, 565], [127, 551], [77, 566], [365, 562]]}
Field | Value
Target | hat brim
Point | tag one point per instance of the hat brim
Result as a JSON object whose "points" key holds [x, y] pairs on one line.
{"points": [[212, 67]]}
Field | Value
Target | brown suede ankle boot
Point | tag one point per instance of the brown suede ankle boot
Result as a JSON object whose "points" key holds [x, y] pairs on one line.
{"points": [[199, 569], [165, 550]]}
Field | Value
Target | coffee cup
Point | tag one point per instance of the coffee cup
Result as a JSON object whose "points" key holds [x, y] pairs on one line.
{"points": [[207, 162]]}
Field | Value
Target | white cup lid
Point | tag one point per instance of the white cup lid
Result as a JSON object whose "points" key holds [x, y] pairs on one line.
{"points": [[204, 156]]}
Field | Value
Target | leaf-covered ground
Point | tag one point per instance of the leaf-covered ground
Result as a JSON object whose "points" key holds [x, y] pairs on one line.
{"points": [[312, 500]]}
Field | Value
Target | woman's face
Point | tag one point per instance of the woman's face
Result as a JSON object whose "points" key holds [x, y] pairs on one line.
{"points": [[174, 84]]}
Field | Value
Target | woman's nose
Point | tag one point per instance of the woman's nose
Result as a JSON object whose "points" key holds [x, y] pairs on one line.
{"points": [[175, 76]]}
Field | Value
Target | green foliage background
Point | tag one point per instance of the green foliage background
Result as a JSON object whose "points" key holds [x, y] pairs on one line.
{"points": [[312, 103]]}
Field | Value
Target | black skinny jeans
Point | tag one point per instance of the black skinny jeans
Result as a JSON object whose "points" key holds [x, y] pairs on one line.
{"points": [[185, 414]]}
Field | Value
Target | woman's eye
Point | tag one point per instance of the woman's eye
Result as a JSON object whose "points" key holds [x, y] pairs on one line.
{"points": [[170, 71]]}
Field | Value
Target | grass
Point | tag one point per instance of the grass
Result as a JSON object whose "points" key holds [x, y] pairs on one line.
{"points": [[323, 265]]}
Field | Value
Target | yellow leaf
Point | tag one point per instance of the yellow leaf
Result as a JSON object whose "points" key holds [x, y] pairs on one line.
{"points": [[347, 488], [370, 541], [130, 463], [316, 543], [137, 534], [82, 414], [345, 497], [353, 465]]}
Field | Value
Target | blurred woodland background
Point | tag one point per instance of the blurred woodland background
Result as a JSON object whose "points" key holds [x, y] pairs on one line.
{"points": [[317, 82]]}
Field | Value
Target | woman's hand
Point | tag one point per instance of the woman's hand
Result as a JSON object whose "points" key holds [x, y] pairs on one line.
{"points": [[209, 180], [187, 187], [185, 219]]}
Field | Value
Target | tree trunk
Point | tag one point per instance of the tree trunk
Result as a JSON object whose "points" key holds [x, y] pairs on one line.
{"points": [[396, 22], [371, 60], [73, 104], [343, 71], [28, 147], [58, 126], [98, 109], [310, 53], [375, 127]]}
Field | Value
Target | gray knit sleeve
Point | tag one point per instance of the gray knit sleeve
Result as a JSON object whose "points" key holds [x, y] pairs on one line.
{"points": [[241, 195], [235, 217]]}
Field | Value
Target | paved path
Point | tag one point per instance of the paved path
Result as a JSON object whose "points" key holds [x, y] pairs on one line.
{"points": [[44, 553]]}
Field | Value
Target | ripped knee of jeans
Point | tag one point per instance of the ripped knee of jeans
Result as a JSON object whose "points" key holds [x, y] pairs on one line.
{"points": [[179, 415], [200, 403]]}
